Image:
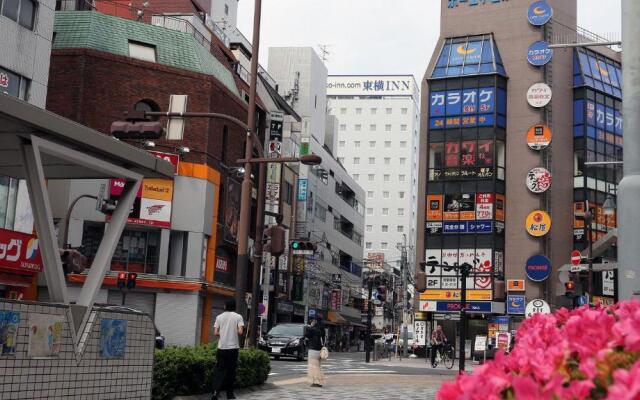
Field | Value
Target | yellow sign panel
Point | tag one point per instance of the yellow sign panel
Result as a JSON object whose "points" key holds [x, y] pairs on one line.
{"points": [[157, 189], [538, 223], [472, 295]]}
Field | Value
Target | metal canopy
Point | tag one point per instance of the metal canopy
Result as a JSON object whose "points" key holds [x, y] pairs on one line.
{"points": [[19, 120]]}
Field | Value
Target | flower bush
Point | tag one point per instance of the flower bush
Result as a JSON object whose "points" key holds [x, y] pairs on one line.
{"points": [[587, 353]]}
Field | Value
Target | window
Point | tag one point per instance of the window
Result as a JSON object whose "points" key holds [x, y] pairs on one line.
{"points": [[403, 143], [387, 177], [287, 193], [343, 127], [400, 228], [372, 143], [321, 212], [358, 127], [372, 160], [21, 11], [342, 143], [358, 111], [368, 245], [389, 111], [385, 211], [356, 177], [387, 144], [369, 211], [387, 128], [13, 84], [343, 110], [385, 194], [356, 160], [8, 199], [370, 194], [385, 228], [400, 212], [401, 195], [402, 177], [374, 111], [372, 177], [403, 160], [387, 160], [356, 143], [142, 51], [403, 128], [369, 228], [404, 111], [384, 245], [372, 127]]}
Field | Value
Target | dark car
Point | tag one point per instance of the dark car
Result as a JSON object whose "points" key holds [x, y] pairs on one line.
{"points": [[285, 340]]}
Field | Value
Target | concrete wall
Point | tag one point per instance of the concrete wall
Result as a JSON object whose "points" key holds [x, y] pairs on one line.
{"points": [[78, 373]]}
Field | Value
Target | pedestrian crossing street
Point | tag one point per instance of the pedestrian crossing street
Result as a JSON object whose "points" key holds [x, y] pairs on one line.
{"points": [[335, 366]]}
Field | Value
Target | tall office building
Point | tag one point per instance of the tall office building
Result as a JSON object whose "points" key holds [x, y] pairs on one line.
{"points": [[509, 123], [377, 142]]}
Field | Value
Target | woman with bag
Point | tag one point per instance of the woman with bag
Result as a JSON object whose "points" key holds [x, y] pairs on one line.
{"points": [[317, 352]]}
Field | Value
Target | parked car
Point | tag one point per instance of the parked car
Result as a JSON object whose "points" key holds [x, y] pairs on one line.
{"points": [[285, 340]]}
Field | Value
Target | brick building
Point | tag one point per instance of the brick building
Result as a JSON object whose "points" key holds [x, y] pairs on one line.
{"points": [[102, 66]]}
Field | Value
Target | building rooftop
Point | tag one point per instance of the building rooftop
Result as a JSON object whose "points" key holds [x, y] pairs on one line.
{"points": [[88, 29], [469, 55]]}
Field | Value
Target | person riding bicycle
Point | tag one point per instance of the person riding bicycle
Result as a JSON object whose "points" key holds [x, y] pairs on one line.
{"points": [[438, 339]]}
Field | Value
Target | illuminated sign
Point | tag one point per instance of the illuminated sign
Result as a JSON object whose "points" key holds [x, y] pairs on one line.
{"points": [[538, 180], [19, 251], [538, 268], [515, 304], [445, 278], [371, 85], [466, 108], [539, 137], [538, 223], [455, 295], [539, 53], [455, 3], [466, 159], [539, 95], [539, 13], [515, 285]]}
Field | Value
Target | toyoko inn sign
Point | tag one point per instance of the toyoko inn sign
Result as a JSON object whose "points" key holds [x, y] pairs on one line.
{"points": [[368, 85], [456, 3]]}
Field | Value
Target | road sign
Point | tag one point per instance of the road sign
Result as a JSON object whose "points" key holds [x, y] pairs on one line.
{"points": [[537, 306], [578, 268], [575, 257]]}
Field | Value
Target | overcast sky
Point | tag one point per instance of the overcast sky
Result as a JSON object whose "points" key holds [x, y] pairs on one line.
{"points": [[377, 36]]}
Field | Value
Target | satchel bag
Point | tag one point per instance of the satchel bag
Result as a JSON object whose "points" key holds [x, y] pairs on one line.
{"points": [[324, 352]]}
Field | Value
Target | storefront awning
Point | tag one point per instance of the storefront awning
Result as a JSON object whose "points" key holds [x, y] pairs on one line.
{"points": [[336, 318]]}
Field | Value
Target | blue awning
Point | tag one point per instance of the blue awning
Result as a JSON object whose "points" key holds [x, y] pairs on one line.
{"points": [[468, 56], [597, 71]]}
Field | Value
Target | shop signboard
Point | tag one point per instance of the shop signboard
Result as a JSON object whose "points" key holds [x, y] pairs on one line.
{"points": [[537, 306], [420, 332], [472, 306], [538, 268], [481, 343], [480, 259], [538, 223], [539, 13], [302, 189], [539, 137], [539, 53], [539, 95], [465, 108], [428, 305], [503, 340], [19, 252], [515, 285], [515, 304], [538, 180], [608, 283], [152, 206], [455, 295], [460, 213]]}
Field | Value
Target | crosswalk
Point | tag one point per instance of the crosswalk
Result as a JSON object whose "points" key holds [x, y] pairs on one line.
{"points": [[335, 366]]}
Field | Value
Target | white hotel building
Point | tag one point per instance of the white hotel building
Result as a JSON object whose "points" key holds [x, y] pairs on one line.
{"points": [[378, 141]]}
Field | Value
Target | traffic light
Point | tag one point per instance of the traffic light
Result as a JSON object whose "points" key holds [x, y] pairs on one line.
{"points": [[570, 288], [137, 129], [122, 280], [297, 245], [131, 280], [277, 234]]}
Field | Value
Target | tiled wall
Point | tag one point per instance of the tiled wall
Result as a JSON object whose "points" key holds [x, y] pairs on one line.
{"points": [[79, 373]]}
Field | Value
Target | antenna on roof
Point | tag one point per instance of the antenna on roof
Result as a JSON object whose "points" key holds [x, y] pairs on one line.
{"points": [[324, 52]]}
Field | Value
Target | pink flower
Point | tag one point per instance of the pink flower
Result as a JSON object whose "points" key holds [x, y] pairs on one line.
{"points": [[626, 384]]}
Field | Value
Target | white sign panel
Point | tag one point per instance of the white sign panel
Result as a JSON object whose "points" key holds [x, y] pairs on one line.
{"points": [[371, 85], [537, 306], [420, 333], [538, 180], [607, 283], [480, 259], [539, 95], [428, 305], [481, 343]]}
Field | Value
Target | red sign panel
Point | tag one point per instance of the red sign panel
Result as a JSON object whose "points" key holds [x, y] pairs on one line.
{"points": [[222, 265], [19, 251], [575, 257], [174, 159]]}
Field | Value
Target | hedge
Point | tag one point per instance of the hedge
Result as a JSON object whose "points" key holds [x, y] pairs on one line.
{"points": [[183, 371]]}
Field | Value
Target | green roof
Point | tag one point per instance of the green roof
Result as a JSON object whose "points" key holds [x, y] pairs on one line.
{"points": [[93, 30]]}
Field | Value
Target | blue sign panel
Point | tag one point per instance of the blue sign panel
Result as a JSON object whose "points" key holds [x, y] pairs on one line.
{"points": [[499, 319], [472, 306], [539, 13], [454, 3], [465, 108], [454, 102], [467, 227], [437, 104], [539, 53], [538, 268], [454, 226], [302, 189], [515, 304]]}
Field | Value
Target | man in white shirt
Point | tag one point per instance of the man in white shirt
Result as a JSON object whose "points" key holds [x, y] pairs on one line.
{"points": [[228, 326]]}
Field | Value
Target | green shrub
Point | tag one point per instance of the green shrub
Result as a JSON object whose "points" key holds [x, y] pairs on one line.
{"points": [[183, 370]]}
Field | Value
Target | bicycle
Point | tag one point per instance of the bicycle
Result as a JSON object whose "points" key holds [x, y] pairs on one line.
{"points": [[446, 356]]}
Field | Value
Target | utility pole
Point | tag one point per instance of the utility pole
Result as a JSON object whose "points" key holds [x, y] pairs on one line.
{"points": [[629, 187], [367, 343], [403, 268]]}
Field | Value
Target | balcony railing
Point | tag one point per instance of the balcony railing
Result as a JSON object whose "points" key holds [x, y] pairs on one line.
{"points": [[181, 25]]}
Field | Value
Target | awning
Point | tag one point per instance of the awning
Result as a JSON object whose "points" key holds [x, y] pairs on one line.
{"points": [[336, 318]]}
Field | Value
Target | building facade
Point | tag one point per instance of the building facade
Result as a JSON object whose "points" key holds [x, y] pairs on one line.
{"points": [[377, 142], [26, 28], [499, 187]]}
